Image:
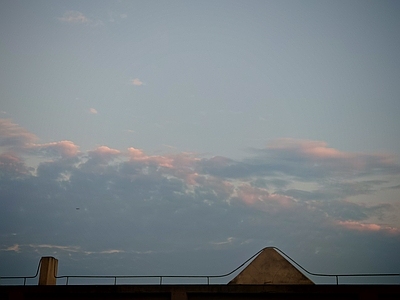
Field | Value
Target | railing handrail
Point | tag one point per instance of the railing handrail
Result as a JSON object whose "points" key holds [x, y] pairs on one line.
{"points": [[335, 275], [23, 277]]}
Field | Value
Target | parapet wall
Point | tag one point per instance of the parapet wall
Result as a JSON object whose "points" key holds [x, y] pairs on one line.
{"points": [[198, 292]]}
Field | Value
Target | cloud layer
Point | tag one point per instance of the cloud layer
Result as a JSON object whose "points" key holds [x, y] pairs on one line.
{"points": [[108, 201]]}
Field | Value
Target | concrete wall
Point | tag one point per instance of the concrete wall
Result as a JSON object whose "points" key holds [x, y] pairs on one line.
{"points": [[198, 292]]}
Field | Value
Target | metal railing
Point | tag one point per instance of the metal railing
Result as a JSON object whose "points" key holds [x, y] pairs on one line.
{"points": [[160, 277], [336, 276], [22, 277], [206, 277]]}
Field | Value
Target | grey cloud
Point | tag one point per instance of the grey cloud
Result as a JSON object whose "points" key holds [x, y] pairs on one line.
{"points": [[13, 165], [395, 187], [95, 203], [313, 160], [344, 210], [336, 190]]}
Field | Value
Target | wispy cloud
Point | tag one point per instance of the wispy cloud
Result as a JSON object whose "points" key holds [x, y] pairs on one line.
{"points": [[13, 248], [136, 82], [74, 17], [229, 240], [55, 247], [359, 226], [93, 111], [77, 17], [112, 251]]}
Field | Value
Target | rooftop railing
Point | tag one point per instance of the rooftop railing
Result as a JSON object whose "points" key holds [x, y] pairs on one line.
{"points": [[161, 278]]}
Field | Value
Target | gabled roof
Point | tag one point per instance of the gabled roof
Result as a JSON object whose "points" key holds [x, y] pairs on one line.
{"points": [[270, 267]]}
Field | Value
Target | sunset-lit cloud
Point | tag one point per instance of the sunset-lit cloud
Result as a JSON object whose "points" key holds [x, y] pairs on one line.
{"points": [[253, 195], [95, 193], [93, 111], [359, 226], [139, 156], [104, 151], [136, 82], [317, 149], [13, 135], [62, 148], [12, 164], [103, 154], [330, 159]]}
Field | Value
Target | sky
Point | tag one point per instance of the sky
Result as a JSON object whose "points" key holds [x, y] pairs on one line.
{"points": [[181, 137]]}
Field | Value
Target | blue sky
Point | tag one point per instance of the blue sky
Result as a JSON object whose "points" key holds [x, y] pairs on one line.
{"points": [[205, 129]]}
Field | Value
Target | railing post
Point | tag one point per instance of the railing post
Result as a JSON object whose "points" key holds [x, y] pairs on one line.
{"points": [[48, 271]]}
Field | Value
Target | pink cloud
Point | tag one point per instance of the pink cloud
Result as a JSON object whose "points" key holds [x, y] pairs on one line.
{"points": [[12, 164], [190, 178], [21, 140], [13, 135], [372, 227], [182, 165], [136, 154], [63, 148], [93, 111], [136, 82], [319, 152], [104, 153], [10, 158], [104, 150], [310, 148], [254, 195], [139, 156], [250, 195]]}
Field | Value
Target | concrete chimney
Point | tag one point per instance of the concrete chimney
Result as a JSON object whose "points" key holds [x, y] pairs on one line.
{"points": [[48, 271]]}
